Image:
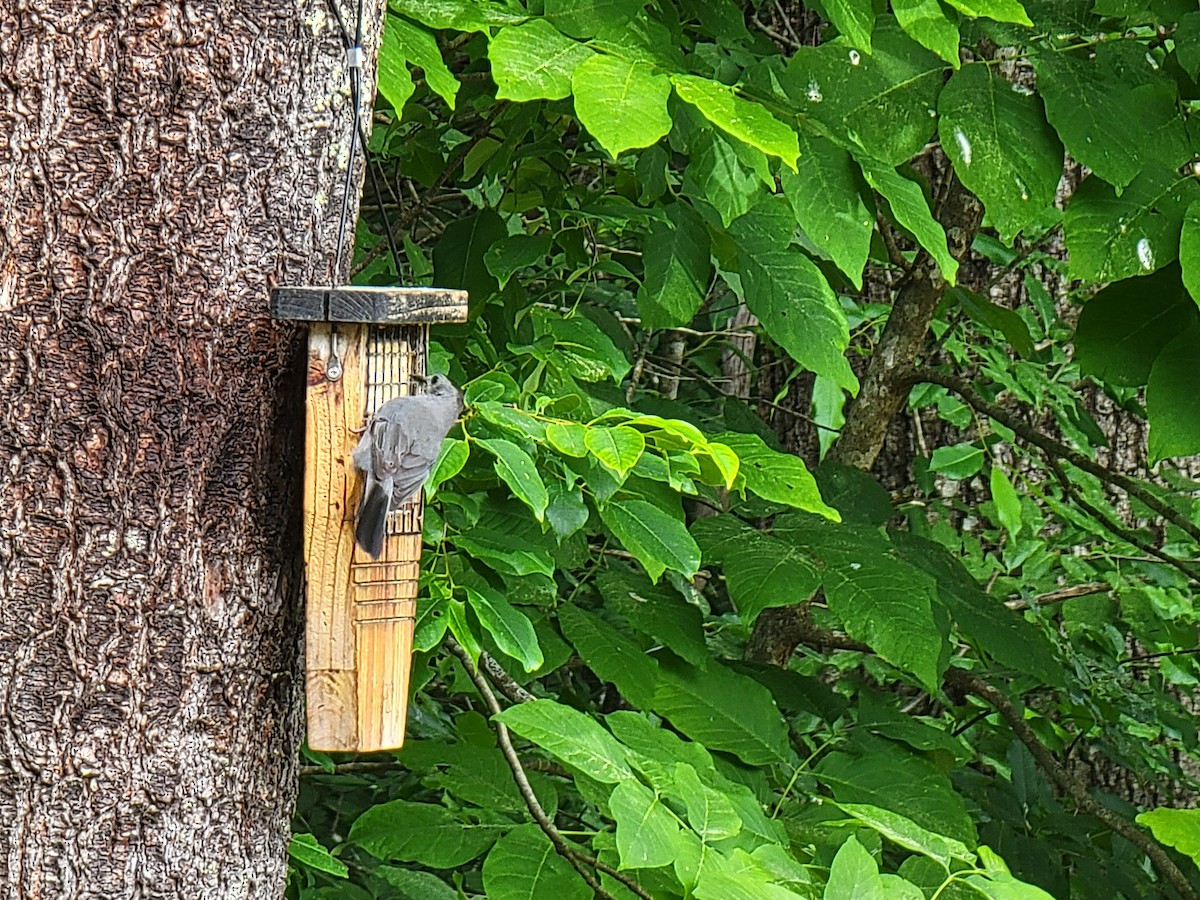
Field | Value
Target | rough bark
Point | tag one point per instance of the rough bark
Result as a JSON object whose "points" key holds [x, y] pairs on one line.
{"points": [[161, 166]]}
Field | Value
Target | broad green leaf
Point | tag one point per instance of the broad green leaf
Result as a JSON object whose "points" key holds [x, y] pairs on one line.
{"points": [[412, 883], [1124, 327], [451, 459], [1008, 504], [306, 849], [717, 174], [999, 631], [622, 103], [993, 315], [658, 541], [999, 884], [1112, 127], [458, 258], [510, 418], [826, 194], [566, 512], [394, 81], [723, 459], [745, 120], [1002, 148], [1172, 398], [460, 627], [957, 460], [569, 438], [1189, 248], [1112, 237], [778, 477], [421, 832], [927, 23], [509, 627], [736, 877], [906, 833], [887, 777], [459, 15], [421, 49], [1187, 43], [524, 865], [788, 293], [517, 469], [854, 19], [854, 874], [575, 738], [1000, 10], [911, 211], [656, 610], [647, 832], [1177, 828], [724, 711], [709, 811], [677, 268], [507, 550], [519, 251], [585, 18], [618, 448], [885, 102], [611, 655], [534, 61], [579, 343]]}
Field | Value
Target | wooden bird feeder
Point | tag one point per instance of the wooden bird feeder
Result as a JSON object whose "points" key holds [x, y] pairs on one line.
{"points": [[365, 344]]}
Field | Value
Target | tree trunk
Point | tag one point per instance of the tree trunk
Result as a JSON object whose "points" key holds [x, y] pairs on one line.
{"points": [[161, 166]]}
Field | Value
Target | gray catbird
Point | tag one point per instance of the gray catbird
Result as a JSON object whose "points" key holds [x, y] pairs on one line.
{"points": [[396, 452]]}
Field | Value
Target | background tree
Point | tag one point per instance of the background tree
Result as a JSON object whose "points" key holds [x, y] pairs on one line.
{"points": [[162, 166], [713, 248]]}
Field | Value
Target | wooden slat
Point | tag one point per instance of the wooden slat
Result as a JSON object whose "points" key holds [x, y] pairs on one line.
{"points": [[375, 305]]}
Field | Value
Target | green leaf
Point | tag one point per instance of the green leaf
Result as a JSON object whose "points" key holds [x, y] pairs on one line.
{"points": [[524, 864], [747, 121], [911, 211], [1189, 249], [1002, 148], [576, 739], [675, 254], [906, 833], [826, 194], [507, 550], [1008, 504], [1187, 43], [724, 711], [412, 883], [394, 81], [509, 627], [587, 351], [458, 258], [451, 459], [622, 103], [658, 540], [421, 49], [927, 24], [516, 468], [518, 251], [534, 61], [307, 850], [709, 811], [568, 438], [854, 874], [586, 18], [854, 19], [957, 461], [1172, 400], [788, 293], [884, 103], [567, 512], [460, 15], [421, 832], [647, 832], [656, 610], [777, 477], [1112, 127], [1124, 327], [611, 655], [715, 173], [992, 315], [1000, 10], [1176, 828], [890, 778], [1111, 237], [618, 448]]}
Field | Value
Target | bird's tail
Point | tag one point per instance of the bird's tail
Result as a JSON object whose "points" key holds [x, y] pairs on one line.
{"points": [[372, 520]]}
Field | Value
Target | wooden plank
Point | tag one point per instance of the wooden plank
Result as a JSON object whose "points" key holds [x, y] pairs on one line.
{"points": [[361, 611], [375, 305]]}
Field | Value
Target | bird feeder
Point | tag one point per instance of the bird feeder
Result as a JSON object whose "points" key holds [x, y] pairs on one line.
{"points": [[365, 345]]}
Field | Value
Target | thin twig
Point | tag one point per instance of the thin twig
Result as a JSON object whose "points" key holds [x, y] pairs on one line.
{"points": [[579, 861], [507, 684]]}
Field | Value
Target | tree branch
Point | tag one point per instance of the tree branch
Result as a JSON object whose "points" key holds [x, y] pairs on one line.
{"points": [[579, 861], [1054, 448]]}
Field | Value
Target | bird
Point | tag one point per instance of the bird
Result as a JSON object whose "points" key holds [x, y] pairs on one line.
{"points": [[396, 452]]}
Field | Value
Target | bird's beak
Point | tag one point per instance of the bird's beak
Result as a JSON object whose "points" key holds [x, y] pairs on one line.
{"points": [[419, 379]]}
